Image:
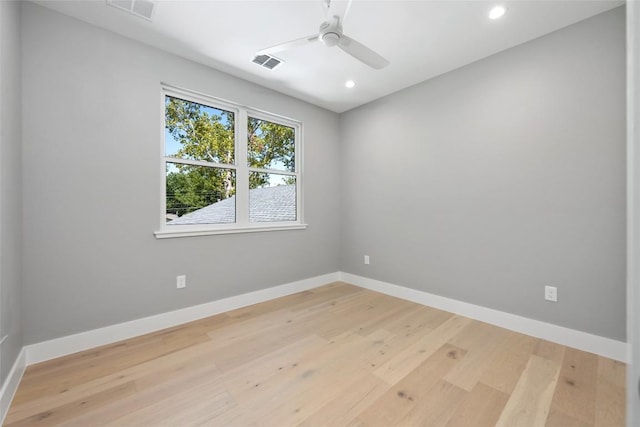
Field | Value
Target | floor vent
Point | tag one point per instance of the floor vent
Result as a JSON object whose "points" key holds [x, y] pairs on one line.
{"points": [[267, 61], [140, 8]]}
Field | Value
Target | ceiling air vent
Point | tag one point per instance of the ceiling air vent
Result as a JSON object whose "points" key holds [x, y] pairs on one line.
{"points": [[267, 61], [140, 8]]}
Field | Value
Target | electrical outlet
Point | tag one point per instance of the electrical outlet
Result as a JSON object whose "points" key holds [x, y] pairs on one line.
{"points": [[181, 282], [366, 259], [551, 293]]}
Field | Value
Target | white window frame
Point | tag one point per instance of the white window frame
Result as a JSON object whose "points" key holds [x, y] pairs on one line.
{"points": [[240, 166]]}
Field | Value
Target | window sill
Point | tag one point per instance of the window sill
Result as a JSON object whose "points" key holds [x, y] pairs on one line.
{"points": [[170, 234]]}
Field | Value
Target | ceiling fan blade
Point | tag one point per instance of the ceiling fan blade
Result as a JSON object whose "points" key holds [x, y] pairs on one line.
{"points": [[289, 45], [362, 53]]}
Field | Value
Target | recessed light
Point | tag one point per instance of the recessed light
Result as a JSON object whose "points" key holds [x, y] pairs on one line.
{"points": [[350, 84], [497, 12]]}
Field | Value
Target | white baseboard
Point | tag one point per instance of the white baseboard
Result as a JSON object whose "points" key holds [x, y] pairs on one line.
{"points": [[63, 346], [11, 384], [602, 346]]}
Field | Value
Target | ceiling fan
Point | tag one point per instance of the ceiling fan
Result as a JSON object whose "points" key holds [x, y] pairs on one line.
{"points": [[331, 34]]}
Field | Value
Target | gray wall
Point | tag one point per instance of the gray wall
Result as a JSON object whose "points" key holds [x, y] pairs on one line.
{"points": [[491, 181], [92, 146], [10, 183]]}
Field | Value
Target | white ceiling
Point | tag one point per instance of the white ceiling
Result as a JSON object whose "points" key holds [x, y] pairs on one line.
{"points": [[421, 39]]}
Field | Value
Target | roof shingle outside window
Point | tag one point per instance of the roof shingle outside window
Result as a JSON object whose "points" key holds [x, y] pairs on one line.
{"points": [[268, 204]]}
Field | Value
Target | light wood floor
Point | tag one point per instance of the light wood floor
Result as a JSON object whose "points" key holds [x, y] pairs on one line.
{"points": [[335, 356]]}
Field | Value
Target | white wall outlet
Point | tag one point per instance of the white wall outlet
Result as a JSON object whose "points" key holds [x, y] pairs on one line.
{"points": [[366, 259], [551, 293], [181, 282]]}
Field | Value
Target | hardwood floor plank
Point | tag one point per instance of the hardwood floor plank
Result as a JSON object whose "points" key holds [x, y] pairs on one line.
{"points": [[67, 412], [320, 386], [558, 419], [530, 401], [299, 301], [510, 359], [158, 371], [575, 393], [482, 407], [414, 389], [278, 395], [612, 371], [610, 393], [401, 365], [486, 344], [392, 311], [550, 351], [416, 319], [76, 370], [437, 410], [272, 366], [348, 403], [360, 314], [148, 392], [168, 408]]}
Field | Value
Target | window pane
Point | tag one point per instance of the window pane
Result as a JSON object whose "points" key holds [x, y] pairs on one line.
{"points": [[272, 197], [200, 195], [270, 145], [198, 132]]}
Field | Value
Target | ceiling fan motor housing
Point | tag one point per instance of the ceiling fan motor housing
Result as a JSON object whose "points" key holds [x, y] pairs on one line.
{"points": [[330, 39], [330, 32]]}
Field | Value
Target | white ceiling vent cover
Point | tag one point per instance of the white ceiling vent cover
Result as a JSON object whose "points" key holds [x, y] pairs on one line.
{"points": [[267, 61], [140, 8]]}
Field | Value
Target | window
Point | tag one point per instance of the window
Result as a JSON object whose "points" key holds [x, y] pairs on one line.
{"points": [[227, 168]]}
